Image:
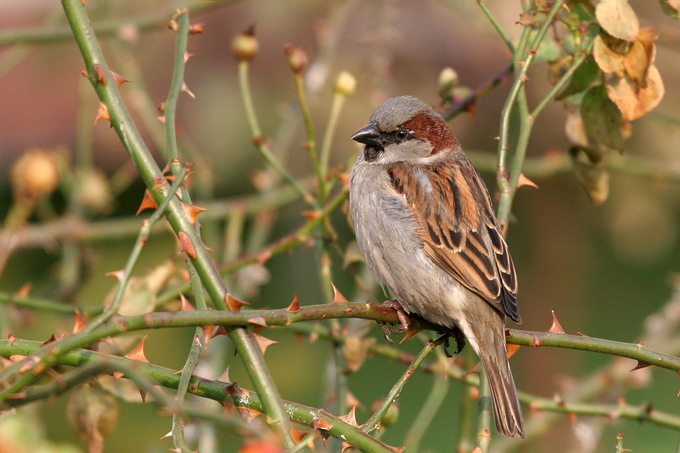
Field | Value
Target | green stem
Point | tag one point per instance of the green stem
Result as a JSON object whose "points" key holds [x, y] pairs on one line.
{"points": [[374, 421], [309, 131], [484, 415], [176, 85], [259, 140], [497, 26], [336, 108]]}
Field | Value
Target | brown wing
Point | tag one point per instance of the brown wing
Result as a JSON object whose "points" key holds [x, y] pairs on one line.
{"points": [[459, 229]]}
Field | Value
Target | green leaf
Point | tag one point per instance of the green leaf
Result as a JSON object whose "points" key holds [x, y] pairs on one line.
{"points": [[582, 78], [602, 118]]}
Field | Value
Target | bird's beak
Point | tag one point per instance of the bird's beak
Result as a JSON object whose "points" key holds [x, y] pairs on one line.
{"points": [[368, 136]]}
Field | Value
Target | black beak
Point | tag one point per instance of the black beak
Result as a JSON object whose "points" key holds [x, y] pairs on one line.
{"points": [[368, 136]]}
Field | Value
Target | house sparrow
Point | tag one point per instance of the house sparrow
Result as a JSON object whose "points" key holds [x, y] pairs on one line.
{"points": [[426, 227]]}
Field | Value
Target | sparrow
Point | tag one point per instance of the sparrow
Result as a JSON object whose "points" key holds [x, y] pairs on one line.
{"points": [[425, 225]]}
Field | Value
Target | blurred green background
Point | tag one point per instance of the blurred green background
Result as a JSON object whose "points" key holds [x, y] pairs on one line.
{"points": [[603, 269]]}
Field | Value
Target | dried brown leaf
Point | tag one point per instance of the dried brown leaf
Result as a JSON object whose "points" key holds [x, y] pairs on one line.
{"points": [[609, 61], [618, 19], [633, 101]]}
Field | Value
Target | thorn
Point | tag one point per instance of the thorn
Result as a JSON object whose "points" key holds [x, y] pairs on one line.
{"points": [[233, 303], [186, 90], [236, 391], [186, 305], [186, 245], [192, 211], [120, 275], [100, 74], [142, 393], [224, 377], [102, 113], [51, 339], [80, 323], [321, 424], [536, 343], [138, 353], [556, 327], [188, 56], [351, 417], [119, 79], [264, 342], [208, 333], [247, 413], [409, 334], [258, 321], [512, 349], [11, 338], [24, 291], [299, 435], [221, 330], [640, 364], [524, 181], [117, 375], [161, 118], [337, 295], [165, 436], [294, 306]]}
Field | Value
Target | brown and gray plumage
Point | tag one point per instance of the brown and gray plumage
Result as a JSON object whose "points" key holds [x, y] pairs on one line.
{"points": [[426, 227]]}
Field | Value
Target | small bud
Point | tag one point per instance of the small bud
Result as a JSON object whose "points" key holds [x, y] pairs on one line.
{"points": [[245, 45], [448, 80], [35, 174], [297, 58], [345, 84], [195, 29]]}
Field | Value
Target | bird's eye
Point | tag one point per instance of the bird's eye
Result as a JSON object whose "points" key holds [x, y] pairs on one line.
{"points": [[402, 133]]}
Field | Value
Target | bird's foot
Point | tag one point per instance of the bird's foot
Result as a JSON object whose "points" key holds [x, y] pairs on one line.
{"points": [[457, 335], [390, 329]]}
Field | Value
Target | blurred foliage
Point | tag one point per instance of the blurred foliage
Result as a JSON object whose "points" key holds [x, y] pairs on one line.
{"points": [[68, 194]]}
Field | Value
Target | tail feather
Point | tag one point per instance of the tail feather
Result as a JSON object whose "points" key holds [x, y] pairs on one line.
{"points": [[506, 409], [487, 337]]}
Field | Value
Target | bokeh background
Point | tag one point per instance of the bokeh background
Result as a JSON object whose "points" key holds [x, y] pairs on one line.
{"points": [[602, 269]]}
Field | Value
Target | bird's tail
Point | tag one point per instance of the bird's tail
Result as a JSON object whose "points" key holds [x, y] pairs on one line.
{"points": [[489, 344]]}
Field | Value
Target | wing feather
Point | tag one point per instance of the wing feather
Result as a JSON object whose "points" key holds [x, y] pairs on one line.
{"points": [[459, 229]]}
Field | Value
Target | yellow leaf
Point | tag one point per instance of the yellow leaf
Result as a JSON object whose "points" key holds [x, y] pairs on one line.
{"points": [[608, 60], [618, 19]]}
